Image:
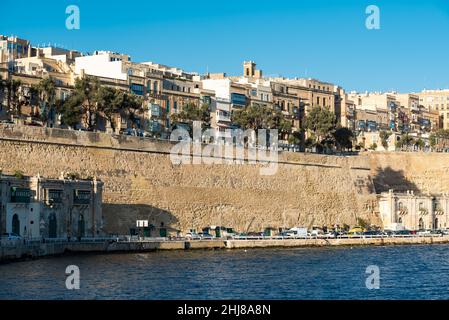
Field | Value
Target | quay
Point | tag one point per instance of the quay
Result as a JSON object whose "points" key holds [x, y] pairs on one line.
{"points": [[37, 249]]}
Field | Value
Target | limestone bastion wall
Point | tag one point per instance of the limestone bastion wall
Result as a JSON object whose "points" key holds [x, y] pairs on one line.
{"points": [[142, 183]]}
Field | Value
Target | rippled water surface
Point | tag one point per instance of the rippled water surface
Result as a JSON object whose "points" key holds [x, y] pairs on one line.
{"points": [[407, 272]]}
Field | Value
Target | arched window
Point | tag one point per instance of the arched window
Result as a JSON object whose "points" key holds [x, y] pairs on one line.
{"points": [[81, 226], [421, 224], [400, 220], [16, 224], [52, 226]]}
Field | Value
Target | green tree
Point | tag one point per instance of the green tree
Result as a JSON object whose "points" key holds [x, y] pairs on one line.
{"points": [[384, 135], [85, 94], [420, 144], [191, 112], [295, 138], [109, 103], [258, 116], [13, 96], [46, 91], [343, 138], [72, 111], [373, 146], [321, 122], [129, 105], [405, 142]]}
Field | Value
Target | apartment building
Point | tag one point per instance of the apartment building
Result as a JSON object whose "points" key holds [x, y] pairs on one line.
{"points": [[436, 101], [164, 89]]}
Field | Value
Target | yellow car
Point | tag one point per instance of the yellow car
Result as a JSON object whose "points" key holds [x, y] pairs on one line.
{"points": [[356, 230]]}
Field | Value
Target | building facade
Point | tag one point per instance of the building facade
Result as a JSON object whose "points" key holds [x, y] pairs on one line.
{"points": [[414, 211], [35, 207], [436, 101]]}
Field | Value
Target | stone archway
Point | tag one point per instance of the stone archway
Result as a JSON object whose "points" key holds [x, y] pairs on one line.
{"points": [[421, 224], [15, 224]]}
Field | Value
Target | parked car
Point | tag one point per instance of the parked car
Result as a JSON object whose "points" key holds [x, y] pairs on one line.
{"points": [[402, 233], [193, 236], [423, 232], [11, 236], [373, 233], [205, 236], [437, 232], [330, 235], [255, 234]]}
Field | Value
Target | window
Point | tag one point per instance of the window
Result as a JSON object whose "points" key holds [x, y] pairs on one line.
{"points": [[137, 89], [20, 195], [54, 196]]}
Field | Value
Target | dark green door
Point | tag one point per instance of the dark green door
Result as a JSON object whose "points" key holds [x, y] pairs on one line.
{"points": [[218, 232], [163, 232], [16, 224], [81, 227], [52, 227]]}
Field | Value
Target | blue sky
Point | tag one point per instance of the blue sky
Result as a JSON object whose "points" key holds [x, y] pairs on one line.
{"points": [[321, 38]]}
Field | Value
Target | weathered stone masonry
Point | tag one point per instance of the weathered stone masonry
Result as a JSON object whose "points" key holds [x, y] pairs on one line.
{"points": [[140, 182]]}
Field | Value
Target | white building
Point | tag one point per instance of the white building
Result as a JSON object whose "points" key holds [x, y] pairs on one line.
{"points": [[414, 211]]}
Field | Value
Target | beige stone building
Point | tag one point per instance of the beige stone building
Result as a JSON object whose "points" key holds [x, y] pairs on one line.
{"points": [[436, 101], [35, 207], [414, 211]]}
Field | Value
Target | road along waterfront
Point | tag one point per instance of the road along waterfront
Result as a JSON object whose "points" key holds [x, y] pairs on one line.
{"points": [[12, 251]]}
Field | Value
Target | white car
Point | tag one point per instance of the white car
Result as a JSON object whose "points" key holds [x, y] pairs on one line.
{"points": [[193, 236], [11, 236]]}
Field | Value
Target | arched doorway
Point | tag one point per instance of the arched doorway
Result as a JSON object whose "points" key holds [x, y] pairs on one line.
{"points": [[421, 224], [400, 220], [15, 224], [435, 225], [81, 226], [52, 226]]}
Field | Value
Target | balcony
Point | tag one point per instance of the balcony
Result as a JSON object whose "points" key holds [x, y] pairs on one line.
{"points": [[20, 195], [54, 197], [81, 197], [423, 212], [221, 117]]}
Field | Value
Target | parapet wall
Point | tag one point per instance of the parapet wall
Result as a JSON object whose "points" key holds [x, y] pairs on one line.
{"points": [[140, 182]]}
